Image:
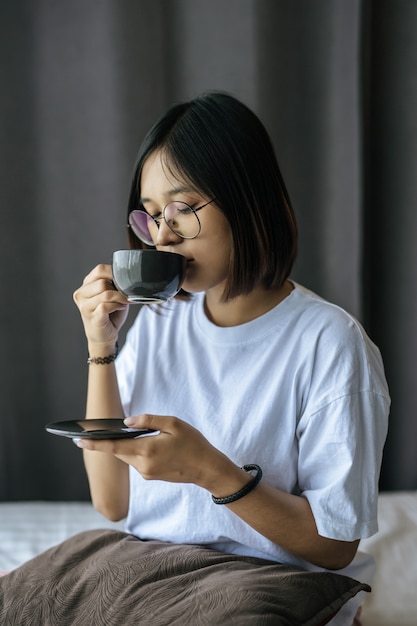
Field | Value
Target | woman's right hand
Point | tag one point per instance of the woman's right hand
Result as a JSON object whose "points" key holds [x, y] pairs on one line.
{"points": [[103, 309]]}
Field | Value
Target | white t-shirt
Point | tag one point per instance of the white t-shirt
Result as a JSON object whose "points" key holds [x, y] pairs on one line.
{"points": [[300, 391]]}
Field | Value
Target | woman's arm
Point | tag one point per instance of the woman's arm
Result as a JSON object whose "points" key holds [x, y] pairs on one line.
{"points": [[108, 477], [283, 518], [103, 311]]}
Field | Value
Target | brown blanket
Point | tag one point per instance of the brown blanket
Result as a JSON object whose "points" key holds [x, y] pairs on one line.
{"points": [[110, 578]]}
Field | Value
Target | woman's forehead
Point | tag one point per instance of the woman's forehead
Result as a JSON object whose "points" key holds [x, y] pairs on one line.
{"points": [[159, 170], [159, 176]]}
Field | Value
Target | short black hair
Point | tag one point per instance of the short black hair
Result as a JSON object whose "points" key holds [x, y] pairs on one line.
{"points": [[220, 146]]}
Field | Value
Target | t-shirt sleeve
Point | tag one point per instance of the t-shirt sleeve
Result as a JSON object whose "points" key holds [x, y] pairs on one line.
{"points": [[341, 434], [339, 461]]}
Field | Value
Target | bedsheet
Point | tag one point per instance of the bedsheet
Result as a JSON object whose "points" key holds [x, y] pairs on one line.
{"points": [[393, 601], [29, 528]]}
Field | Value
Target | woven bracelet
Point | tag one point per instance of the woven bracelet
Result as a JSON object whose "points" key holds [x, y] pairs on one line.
{"points": [[104, 360], [245, 490]]}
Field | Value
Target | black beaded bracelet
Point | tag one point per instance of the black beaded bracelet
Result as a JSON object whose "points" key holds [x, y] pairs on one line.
{"points": [[104, 360], [245, 490]]}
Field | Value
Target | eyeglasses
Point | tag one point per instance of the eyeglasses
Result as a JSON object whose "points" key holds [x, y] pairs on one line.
{"points": [[180, 217]]}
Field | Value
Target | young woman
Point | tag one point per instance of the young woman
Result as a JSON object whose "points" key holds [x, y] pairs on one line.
{"points": [[248, 375]]}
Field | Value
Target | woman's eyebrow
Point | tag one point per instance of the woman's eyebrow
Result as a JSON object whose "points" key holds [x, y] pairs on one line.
{"points": [[170, 193]]}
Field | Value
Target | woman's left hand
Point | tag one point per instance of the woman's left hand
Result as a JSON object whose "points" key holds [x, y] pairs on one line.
{"points": [[179, 453]]}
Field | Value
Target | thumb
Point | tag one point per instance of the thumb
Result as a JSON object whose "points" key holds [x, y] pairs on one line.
{"points": [[162, 423], [146, 420]]}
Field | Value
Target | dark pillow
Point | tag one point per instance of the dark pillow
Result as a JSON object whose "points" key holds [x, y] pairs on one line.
{"points": [[104, 577]]}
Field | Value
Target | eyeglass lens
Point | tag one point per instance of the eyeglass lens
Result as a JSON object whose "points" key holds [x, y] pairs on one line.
{"points": [[179, 217]]}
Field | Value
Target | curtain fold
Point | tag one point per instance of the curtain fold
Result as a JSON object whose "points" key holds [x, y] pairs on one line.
{"points": [[390, 218], [334, 82], [309, 96]]}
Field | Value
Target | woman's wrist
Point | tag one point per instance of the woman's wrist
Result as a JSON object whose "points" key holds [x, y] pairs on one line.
{"points": [[243, 491], [225, 478], [100, 351]]}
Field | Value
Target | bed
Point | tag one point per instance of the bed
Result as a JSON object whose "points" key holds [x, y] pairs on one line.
{"points": [[29, 528]]}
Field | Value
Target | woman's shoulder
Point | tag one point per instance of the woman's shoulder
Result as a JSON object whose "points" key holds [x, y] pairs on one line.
{"points": [[314, 310], [339, 344], [329, 326]]}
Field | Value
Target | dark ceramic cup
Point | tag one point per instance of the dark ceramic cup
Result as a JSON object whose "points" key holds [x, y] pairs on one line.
{"points": [[148, 275]]}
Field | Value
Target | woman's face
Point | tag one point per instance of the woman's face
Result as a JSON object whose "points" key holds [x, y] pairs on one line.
{"points": [[209, 253]]}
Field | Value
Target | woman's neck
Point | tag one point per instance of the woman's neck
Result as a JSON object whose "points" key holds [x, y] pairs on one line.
{"points": [[244, 308]]}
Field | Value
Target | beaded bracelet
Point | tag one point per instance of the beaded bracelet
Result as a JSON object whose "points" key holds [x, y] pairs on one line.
{"points": [[245, 490], [104, 360]]}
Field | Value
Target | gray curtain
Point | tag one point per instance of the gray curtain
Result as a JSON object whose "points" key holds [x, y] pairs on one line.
{"points": [[81, 82]]}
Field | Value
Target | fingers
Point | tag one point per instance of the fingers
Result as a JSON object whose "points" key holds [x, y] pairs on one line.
{"points": [[98, 282], [100, 271], [103, 309], [101, 445]]}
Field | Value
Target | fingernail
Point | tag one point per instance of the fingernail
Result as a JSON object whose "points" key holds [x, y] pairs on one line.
{"points": [[76, 440], [129, 421]]}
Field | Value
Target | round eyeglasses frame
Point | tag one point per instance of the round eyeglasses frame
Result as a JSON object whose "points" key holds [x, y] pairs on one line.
{"points": [[148, 239]]}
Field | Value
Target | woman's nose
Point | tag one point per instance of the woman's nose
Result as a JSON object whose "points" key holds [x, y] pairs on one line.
{"points": [[165, 235]]}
